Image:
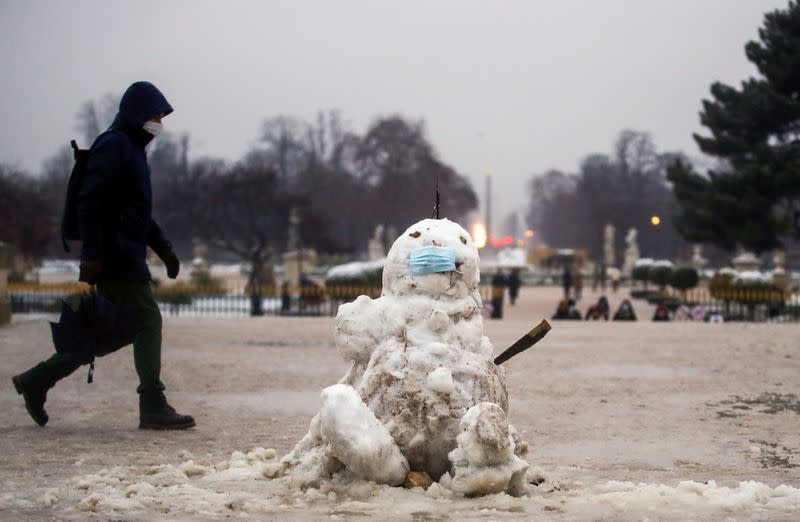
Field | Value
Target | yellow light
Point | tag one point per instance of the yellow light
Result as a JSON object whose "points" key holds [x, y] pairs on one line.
{"points": [[529, 233], [520, 242], [479, 235], [655, 220]]}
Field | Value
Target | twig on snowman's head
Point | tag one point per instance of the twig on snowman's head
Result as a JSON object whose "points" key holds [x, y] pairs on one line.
{"points": [[436, 204]]}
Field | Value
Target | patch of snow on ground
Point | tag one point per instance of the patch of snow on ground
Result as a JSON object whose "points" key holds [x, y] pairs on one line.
{"points": [[238, 486], [748, 496]]}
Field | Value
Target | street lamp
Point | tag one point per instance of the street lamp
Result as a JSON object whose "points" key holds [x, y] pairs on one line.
{"points": [[656, 221]]}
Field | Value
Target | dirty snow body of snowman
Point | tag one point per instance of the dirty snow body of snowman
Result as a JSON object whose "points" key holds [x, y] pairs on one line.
{"points": [[422, 393]]}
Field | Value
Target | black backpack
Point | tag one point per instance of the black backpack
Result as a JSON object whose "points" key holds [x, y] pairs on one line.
{"points": [[69, 221]]}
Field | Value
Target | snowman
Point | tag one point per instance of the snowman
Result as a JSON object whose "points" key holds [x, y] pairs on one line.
{"points": [[422, 393]]}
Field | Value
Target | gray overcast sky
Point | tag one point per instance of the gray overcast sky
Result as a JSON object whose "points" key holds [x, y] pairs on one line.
{"points": [[511, 87]]}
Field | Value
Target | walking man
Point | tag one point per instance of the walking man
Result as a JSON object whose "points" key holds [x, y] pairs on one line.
{"points": [[116, 226], [566, 280], [514, 283], [577, 280]]}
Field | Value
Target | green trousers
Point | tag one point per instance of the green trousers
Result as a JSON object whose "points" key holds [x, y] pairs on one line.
{"points": [[146, 346]]}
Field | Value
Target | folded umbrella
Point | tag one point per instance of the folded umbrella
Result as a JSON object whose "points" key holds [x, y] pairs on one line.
{"points": [[97, 327]]}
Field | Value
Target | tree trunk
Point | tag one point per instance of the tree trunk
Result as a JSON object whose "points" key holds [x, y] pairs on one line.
{"points": [[255, 283], [256, 305]]}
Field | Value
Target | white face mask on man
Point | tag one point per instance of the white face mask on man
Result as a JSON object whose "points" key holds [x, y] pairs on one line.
{"points": [[153, 127]]}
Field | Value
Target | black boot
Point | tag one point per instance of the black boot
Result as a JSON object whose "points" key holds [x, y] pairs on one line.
{"points": [[33, 386], [156, 414]]}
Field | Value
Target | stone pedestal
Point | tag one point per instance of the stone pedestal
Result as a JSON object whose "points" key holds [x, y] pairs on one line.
{"points": [[296, 263], [5, 267]]}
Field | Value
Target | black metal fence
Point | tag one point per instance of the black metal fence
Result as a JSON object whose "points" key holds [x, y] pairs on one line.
{"points": [[188, 300], [192, 301], [727, 305]]}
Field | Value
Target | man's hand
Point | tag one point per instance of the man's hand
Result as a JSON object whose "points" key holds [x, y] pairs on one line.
{"points": [[91, 271], [173, 264]]}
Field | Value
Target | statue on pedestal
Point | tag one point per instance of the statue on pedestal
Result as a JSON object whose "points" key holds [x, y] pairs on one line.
{"points": [[779, 276], [293, 242], [698, 261], [297, 261], [608, 245], [199, 263], [631, 252], [375, 249]]}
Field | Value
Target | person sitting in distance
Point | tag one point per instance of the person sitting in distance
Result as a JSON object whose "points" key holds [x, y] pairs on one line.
{"points": [[661, 313], [566, 310], [562, 310], [572, 311], [625, 312], [598, 310]]}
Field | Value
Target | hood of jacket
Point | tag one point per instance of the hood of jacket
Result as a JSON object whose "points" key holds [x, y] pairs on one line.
{"points": [[141, 102]]}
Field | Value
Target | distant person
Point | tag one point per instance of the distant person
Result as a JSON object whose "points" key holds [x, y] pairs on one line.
{"points": [[699, 313], [577, 281], [625, 312], [286, 298], [615, 275], [514, 283], [572, 311], [686, 312], [116, 225], [311, 294], [661, 313], [566, 281], [566, 311], [599, 310], [498, 294], [562, 310], [683, 313]]}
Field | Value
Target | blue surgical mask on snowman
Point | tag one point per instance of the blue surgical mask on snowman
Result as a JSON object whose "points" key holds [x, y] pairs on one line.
{"points": [[431, 260]]}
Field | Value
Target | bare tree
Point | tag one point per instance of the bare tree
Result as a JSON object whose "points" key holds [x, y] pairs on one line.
{"points": [[544, 189], [400, 170], [95, 116], [179, 187], [246, 214], [624, 190], [283, 147], [26, 217]]}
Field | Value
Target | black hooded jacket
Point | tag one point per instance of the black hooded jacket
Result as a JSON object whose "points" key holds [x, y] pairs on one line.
{"points": [[115, 202]]}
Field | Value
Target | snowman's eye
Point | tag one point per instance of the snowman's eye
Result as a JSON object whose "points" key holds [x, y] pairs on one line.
{"points": [[463, 240], [415, 234]]}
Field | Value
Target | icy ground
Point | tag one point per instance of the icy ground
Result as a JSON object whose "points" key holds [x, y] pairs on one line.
{"points": [[625, 421]]}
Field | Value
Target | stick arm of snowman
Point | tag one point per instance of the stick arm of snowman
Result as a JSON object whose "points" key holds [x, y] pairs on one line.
{"points": [[525, 342]]}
